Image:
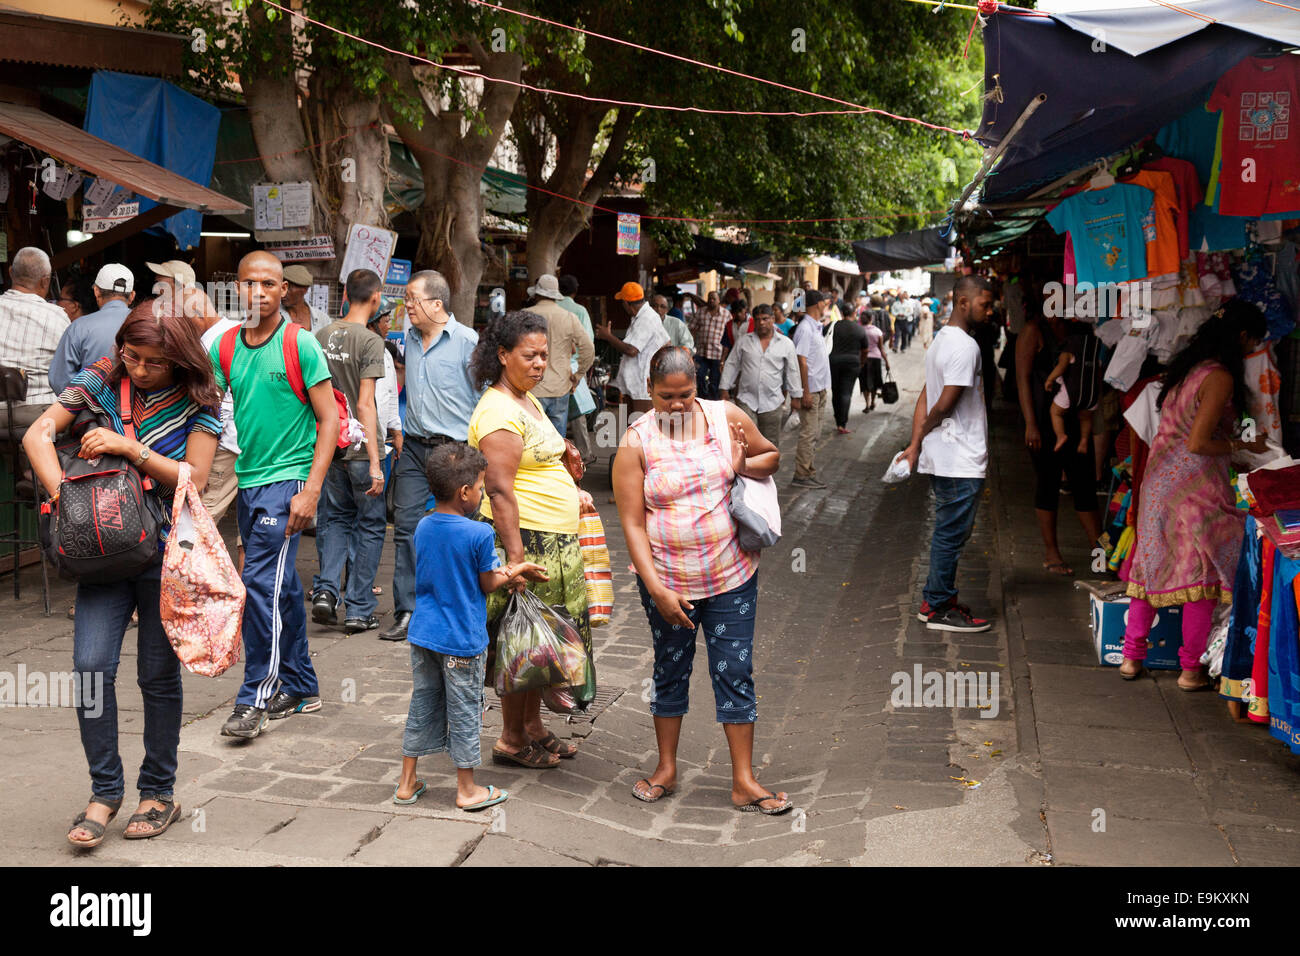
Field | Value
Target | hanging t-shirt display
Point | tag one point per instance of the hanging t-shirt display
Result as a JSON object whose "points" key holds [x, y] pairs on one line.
{"points": [[1194, 136], [1261, 152], [1158, 225], [1105, 227], [1187, 189]]}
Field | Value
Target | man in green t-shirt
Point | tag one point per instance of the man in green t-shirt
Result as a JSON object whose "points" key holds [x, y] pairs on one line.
{"points": [[285, 449], [353, 518]]}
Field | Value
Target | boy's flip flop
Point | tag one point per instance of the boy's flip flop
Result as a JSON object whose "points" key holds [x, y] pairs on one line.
{"points": [[757, 805], [648, 795], [495, 796], [419, 789]]}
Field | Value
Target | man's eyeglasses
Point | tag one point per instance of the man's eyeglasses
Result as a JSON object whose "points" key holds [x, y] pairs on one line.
{"points": [[131, 360]]}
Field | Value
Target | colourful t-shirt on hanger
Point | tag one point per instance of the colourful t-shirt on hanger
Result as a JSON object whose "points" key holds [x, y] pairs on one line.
{"points": [[1187, 188], [1105, 227], [1158, 225], [1261, 152], [1194, 136]]}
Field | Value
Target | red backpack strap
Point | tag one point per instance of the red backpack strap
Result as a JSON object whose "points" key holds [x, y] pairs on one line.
{"points": [[128, 421], [226, 352], [292, 364]]}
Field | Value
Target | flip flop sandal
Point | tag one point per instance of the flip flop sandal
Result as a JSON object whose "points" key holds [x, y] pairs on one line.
{"points": [[534, 757], [158, 818], [553, 744], [1059, 568], [757, 807], [93, 827], [420, 788], [648, 796], [495, 796]]}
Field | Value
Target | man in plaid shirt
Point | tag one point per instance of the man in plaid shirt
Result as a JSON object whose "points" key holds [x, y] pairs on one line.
{"points": [[30, 329], [707, 326]]}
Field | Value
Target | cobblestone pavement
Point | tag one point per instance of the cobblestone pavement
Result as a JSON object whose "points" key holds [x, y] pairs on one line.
{"points": [[874, 783]]}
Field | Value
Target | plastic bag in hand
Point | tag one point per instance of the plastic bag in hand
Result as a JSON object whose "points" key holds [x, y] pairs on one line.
{"points": [[536, 648], [898, 470]]}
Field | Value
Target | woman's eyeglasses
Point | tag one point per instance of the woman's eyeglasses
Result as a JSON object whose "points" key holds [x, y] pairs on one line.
{"points": [[131, 360]]}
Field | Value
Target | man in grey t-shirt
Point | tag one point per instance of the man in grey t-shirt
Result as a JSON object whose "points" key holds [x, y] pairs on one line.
{"points": [[351, 519]]}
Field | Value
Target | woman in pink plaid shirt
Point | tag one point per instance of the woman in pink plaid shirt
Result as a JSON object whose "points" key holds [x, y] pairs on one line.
{"points": [[672, 478]]}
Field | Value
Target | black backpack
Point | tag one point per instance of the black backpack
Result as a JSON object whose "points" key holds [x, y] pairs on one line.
{"points": [[105, 523]]}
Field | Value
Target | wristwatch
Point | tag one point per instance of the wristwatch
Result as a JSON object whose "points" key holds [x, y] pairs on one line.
{"points": [[144, 456]]}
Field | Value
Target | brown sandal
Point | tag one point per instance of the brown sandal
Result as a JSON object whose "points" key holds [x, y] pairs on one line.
{"points": [[534, 757], [93, 827], [553, 744], [158, 818]]}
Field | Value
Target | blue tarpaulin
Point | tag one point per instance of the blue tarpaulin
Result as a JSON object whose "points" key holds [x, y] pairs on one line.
{"points": [[1100, 100], [161, 123]]}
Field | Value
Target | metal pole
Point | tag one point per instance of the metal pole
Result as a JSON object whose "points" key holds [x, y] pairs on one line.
{"points": [[992, 155]]}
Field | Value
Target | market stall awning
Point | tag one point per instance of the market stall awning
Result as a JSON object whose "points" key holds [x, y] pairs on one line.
{"points": [[53, 41], [98, 158], [906, 250], [1138, 30], [831, 264], [1099, 99]]}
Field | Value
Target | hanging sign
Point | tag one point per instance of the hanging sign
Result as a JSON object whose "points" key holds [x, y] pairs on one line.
{"points": [[311, 249], [104, 221], [629, 234], [369, 247], [399, 274], [98, 191]]}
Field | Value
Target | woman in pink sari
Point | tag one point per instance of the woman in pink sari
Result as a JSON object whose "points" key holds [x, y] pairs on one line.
{"points": [[1188, 526]]}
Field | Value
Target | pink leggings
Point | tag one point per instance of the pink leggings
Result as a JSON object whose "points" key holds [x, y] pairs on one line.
{"points": [[1197, 618]]}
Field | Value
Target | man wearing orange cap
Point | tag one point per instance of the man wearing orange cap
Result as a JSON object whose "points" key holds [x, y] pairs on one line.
{"points": [[645, 336]]}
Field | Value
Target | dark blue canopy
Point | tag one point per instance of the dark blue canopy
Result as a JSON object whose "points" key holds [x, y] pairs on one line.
{"points": [[1100, 100]]}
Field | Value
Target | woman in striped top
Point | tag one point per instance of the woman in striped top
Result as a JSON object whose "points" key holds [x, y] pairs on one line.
{"points": [[672, 478], [174, 403]]}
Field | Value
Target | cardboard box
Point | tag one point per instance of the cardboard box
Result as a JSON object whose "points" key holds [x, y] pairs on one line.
{"points": [[1109, 619]]}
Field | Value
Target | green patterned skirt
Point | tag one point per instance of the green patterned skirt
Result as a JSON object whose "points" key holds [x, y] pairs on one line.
{"points": [[561, 556]]}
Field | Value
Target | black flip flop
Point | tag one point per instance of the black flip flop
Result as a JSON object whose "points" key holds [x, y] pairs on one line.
{"points": [[757, 807], [652, 787]]}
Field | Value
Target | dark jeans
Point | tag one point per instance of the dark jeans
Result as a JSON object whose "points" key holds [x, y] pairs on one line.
{"points": [[844, 380], [350, 531], [902, 334], [410, 500], [708, 374], [103, 612], [955, 503]]}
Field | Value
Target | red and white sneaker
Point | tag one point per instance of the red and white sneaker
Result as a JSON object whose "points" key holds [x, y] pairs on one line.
{"points": [[953, 618], [923, 615]]}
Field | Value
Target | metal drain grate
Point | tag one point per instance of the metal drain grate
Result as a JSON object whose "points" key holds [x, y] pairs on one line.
{"points": [[599, 704]]}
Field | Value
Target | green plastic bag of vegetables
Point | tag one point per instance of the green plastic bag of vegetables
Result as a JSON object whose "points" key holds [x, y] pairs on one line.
{"points": [[537, 648]]}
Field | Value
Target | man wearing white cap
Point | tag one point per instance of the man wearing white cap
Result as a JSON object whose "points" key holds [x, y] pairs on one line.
{"points": [[565, 338], [94, 336]]}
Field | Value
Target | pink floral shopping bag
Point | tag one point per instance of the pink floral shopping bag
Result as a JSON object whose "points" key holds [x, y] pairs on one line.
{"points": [[202, 595]]}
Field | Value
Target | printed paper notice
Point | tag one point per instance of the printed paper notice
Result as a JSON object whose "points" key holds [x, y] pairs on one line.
{"points": [[268, 207], [369, 247], [629, 234], [296, 205]]}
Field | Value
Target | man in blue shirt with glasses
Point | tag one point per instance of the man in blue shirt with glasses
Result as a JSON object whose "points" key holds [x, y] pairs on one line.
{"points": [[440, 398]]}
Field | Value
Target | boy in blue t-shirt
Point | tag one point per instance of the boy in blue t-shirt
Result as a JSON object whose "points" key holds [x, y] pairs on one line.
{"points": [[456, 565]]}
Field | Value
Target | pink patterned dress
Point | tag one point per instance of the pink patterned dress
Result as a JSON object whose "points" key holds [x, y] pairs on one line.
{"points": [[692, 534], [1188, 527]]}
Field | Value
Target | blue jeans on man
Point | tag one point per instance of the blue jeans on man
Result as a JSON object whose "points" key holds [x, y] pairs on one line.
{"points": [[557, 410], [708, 376], [103, 613], [350, 530], [410, 502], [955, 503]]}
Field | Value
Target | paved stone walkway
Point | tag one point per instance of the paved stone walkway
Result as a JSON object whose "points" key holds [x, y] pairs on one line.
{"points": [[874, 783]]}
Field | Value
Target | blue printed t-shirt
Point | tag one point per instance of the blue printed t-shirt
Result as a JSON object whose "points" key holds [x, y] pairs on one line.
{"points": [[1106, 228], [450, 614]]}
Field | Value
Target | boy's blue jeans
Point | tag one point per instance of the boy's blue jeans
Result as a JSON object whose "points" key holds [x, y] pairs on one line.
{"points": [[446, 713], [955, 503]]}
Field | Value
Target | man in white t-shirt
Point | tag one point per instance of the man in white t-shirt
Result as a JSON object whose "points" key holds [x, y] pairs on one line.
{"points": [[950, 444], [645, 336]]}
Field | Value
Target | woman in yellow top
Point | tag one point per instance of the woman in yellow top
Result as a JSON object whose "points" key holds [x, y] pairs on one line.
{"points": [[533, 503]]}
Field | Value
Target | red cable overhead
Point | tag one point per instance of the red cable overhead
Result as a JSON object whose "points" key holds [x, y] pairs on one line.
{"points": [[965, 134]]}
